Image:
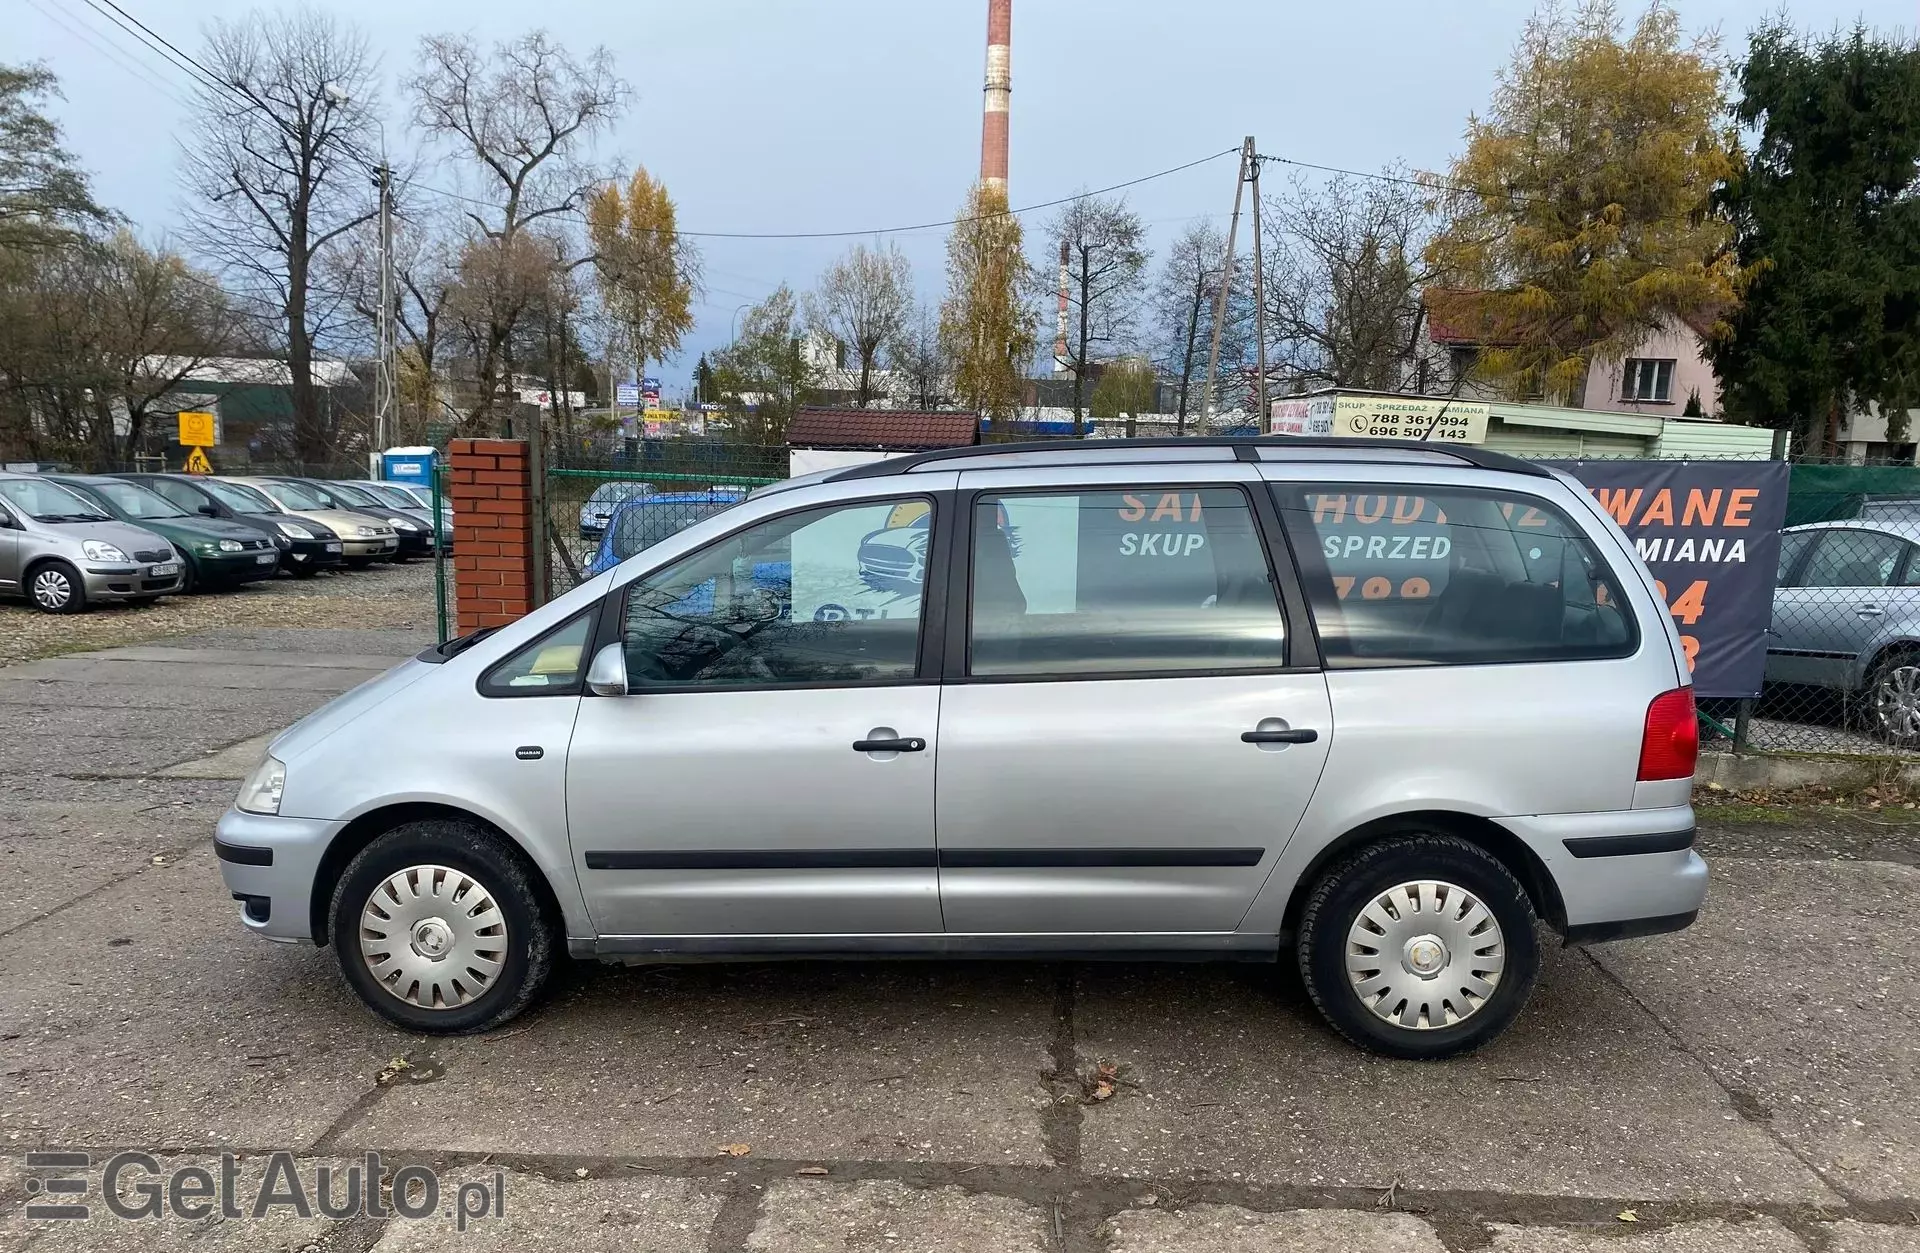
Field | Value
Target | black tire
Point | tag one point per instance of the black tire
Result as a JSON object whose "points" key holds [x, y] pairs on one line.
{"points": [[1885, 709], [357, 563], [58, 575], [1356, 882], [143, 602], [504, 876], [301, 570], [189, 578]]}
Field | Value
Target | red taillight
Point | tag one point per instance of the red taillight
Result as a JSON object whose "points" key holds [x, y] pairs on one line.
{"points": [[1672, 738]]}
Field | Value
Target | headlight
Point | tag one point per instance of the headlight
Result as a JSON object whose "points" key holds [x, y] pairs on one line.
{"points": [[297, 532], [260, 794], [366, 530], [96, 550], [232, 546]]}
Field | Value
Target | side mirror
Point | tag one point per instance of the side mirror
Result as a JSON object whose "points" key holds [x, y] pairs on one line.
{"points": [[607, 676], [210, 510]]}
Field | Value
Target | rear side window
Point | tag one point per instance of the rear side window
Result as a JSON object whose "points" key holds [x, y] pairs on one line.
{"points": [[1849, 558], [1402, 576], [1130, 581]]}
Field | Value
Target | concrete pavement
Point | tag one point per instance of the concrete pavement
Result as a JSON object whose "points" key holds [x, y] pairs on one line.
{"points": [[1748, 1085]]}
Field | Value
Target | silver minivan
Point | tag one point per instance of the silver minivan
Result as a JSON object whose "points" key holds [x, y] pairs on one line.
{"points": [[63, 552], [1372, 708]]}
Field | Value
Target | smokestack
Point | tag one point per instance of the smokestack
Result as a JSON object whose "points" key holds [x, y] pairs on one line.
{"points": [[999, 92], [1060, 357]]}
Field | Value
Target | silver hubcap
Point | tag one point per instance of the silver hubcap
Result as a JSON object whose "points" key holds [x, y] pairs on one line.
{"points": [[1896, 702], [433, 937], [52, 589], [1425, 954]]}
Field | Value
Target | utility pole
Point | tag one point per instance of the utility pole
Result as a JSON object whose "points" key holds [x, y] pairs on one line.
{"points": [[385, 384], [1252, 158], [1220, 296]]}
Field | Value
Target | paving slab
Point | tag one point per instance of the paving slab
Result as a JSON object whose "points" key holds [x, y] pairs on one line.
{"points": [[832, 1060], [1584, 1096], [55, 851], [76, 752], [102, 1231], [144, 1015], [107, 670], [1798, 988], [1856, 1237], [872, 1217], [634, 1214], [394, 643], [1229, 1229], [268, 658], [235, 761], [180, 703], [1760, 1235]]}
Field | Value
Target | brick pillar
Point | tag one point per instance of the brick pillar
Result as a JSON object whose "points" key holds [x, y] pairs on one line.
{"points": [[492, 531]]}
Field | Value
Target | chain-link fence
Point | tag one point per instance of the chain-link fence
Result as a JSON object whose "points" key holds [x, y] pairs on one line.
{"points": [[602, 508]]}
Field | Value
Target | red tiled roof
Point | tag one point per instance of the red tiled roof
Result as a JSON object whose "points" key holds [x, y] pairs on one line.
{"points": [[903, 430]]}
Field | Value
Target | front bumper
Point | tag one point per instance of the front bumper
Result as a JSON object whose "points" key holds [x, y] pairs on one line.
{"points": [[383, 546], [1621, 874], [312, 554], [417, 544], [126, 582], [228, 569], [269, 863]]}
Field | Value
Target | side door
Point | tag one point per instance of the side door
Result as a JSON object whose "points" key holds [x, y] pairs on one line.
{"points": [[9, 551], [1839, 605], [1134, 717], [770, 772]]}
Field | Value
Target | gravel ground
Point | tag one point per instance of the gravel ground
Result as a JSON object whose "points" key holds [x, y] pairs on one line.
{"points": [[379, 596]]}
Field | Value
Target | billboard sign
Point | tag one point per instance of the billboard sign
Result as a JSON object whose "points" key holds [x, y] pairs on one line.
{"points": [[626, 394], [1438, 419], [1710, 533]]}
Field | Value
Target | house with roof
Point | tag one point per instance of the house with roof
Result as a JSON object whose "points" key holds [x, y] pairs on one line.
{"points": [[824, 439]]}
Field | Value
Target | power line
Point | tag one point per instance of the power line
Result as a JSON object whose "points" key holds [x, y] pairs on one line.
{"points": [[1425, 184], [105, 46], [154, 39]]}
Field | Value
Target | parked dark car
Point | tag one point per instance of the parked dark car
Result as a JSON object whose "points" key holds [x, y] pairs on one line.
{"points": [[219, 554], [306, 547], [415, 534]]}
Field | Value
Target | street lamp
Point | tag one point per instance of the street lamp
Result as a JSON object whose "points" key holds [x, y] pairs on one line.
{"points": [[733, 333]]}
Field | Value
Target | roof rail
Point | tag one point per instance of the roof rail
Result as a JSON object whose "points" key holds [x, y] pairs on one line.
{"points": [[1483, 458]]}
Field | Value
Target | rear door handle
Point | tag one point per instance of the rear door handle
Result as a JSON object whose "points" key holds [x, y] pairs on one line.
{"points": [[1294, 735], [1868, 611], [907, 744]]}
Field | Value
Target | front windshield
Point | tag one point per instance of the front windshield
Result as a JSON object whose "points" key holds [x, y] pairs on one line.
{"points": [[295, 496], [397, 497], [49, 502], [239, 498], [641, 526], [137, 502], [347, 494]]}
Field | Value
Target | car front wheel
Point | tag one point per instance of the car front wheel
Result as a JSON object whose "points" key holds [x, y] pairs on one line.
{"points": [[439, 926], [55, 587], [1893, 695], [1419, 947]]}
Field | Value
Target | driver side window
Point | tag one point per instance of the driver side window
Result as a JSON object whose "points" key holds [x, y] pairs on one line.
{"points": [[827, 596]]}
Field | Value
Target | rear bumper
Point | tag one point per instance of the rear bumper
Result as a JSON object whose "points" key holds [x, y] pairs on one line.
{"points": [[268, 864], [1619, 874]]}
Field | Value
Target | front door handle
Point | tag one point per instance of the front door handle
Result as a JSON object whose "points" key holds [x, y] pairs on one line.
{"points": [[1293, 735], [904, 744], [1868, 611]]}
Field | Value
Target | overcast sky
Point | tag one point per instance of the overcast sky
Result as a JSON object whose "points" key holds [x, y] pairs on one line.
{"points": [[775, 115]]}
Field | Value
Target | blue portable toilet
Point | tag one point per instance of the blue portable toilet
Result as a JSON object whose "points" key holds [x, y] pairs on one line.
{"points": [[412, 466]]}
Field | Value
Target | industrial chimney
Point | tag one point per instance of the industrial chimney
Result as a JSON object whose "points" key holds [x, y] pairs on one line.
{"points": [[999, 92], [1061, 361]]}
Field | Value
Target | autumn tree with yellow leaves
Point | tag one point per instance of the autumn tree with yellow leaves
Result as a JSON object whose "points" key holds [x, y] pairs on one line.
{"points": [[648, 271], [1580, 219], [986, 324]]}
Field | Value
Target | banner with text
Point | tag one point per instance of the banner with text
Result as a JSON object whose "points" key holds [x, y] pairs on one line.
{"points": [[1710, 532]]}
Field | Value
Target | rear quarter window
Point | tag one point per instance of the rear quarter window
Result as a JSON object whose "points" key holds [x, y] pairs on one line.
{"points": [[1401, 575]]}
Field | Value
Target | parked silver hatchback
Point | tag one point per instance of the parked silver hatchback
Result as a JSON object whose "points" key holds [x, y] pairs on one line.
{"points": [[62, 552], [1378, 707]]}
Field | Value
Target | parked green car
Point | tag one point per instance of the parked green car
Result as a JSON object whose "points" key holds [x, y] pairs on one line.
{"points": [[218, 553]]}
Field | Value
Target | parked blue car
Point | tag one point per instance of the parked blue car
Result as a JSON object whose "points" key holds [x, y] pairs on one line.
{"points": [[640, 522]]}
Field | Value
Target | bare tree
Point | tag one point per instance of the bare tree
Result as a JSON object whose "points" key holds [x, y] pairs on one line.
{"points": [[1345, 285], [1181, 310], [277, 164], [425, 256], [918, 355], [520, 121], [1103, 245], [863, 301]]}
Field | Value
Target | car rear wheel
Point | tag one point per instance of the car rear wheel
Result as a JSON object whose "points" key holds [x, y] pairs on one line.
{"points": [[1893, 699], [55, 587], [439, 926], [1419, 947]]}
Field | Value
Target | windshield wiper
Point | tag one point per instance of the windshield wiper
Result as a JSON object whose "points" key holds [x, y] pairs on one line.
{"points": [[461, 643]]}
